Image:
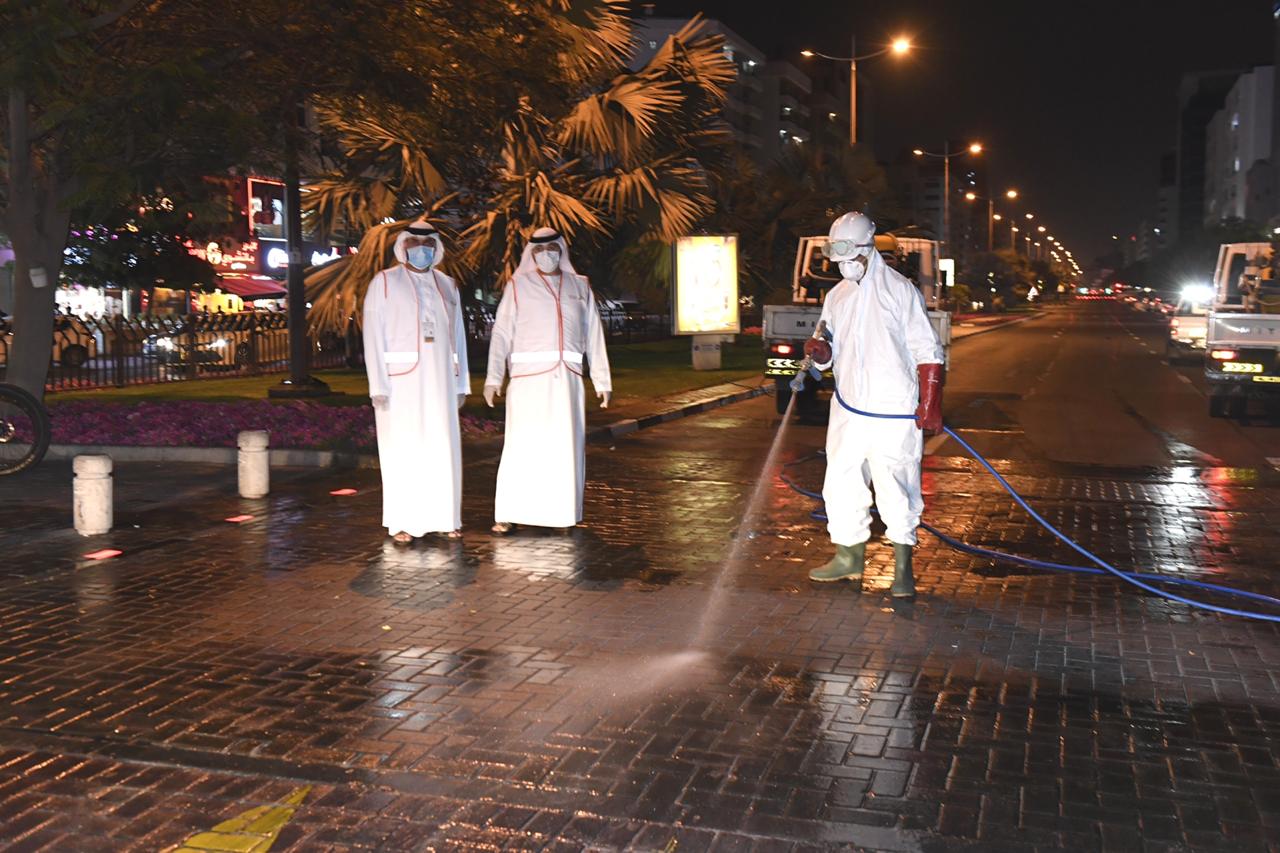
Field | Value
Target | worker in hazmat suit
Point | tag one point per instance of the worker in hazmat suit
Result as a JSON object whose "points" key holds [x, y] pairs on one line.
{"points": [[415, 352], [546, 334], [887, 362]]}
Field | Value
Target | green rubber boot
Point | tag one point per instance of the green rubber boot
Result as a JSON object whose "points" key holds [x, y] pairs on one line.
{"points": [[904, 584], [846, 564]]}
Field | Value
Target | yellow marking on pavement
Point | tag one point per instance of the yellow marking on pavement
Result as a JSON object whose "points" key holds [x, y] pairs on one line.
{"points": [[253, 831]]}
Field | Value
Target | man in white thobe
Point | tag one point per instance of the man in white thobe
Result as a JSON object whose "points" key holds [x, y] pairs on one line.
{"points": [[547, 325], [415, 350]]}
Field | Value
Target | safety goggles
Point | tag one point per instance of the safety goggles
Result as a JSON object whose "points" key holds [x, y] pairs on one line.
{"points": [[843, 248]]}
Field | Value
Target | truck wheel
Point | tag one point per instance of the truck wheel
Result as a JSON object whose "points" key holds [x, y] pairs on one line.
{"points": [[74, 356], [1218, 406], [782, 394]]}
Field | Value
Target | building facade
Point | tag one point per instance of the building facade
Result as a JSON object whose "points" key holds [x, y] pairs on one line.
{"points": [[1238, 147]]}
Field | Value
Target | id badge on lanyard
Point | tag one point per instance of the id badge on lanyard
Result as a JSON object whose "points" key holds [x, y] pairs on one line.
{"points": [[428, 318]]}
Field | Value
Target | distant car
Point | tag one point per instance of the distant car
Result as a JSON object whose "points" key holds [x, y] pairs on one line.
{"points": [[73, 343]]}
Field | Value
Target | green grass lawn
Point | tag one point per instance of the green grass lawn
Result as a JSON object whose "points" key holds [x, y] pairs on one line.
{"points": [[640, 372]]}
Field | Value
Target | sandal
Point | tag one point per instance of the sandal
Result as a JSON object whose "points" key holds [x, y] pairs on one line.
{"points": [[402, 538], [502, 528], [452, 534]]}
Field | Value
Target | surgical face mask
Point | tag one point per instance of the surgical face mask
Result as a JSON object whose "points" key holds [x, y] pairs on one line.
{"points": [[420, 257], [548, 261], [854, 269]]}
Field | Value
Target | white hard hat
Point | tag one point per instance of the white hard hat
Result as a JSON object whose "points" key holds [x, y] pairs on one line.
{"points": [[850, 236]]}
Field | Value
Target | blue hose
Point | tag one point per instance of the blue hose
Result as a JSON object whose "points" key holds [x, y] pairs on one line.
{"points": [[1141, 580]]}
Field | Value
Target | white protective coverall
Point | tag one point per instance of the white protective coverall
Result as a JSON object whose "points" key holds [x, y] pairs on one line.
{"points": [[545, 326], [880, 333], [415, 351]]}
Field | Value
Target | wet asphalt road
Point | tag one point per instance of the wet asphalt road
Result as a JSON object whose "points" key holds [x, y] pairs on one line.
{"points": [[648, 681]]}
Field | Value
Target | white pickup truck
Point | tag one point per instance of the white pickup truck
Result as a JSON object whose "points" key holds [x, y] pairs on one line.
{"points": [[1242, 341], [786, 327]]}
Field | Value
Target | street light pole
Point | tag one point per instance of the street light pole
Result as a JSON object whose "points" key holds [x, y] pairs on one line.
{"points": [[946, 198], [991, 225], [853, 90], [900, 46]]}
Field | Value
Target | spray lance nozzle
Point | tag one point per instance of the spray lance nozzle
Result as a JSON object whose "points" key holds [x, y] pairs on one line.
{"points": [[821, 333]]}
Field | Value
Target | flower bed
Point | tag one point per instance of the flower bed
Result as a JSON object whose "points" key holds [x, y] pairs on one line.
{"points": [[189, 423]]}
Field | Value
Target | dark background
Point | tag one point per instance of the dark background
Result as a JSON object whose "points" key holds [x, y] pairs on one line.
{"points": [[1075, 99]]}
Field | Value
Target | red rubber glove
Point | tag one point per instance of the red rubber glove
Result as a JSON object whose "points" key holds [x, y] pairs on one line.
{"points": [[929, 412], [818, 350]]}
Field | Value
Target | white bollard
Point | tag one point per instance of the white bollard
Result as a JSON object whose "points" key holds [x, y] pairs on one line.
{"points": [[91, 495], [254, 463]]}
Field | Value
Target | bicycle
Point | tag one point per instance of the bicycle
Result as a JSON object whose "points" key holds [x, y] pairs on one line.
{"points": [[25, 431]]}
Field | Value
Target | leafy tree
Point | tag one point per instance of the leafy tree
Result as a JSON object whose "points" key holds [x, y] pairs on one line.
{"points": [[587, 147], [797, 195], [102, 100], [142, 245]]}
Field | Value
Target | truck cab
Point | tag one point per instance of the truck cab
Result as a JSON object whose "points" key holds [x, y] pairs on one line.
{"points": [[786, 327], [1242, 341]]}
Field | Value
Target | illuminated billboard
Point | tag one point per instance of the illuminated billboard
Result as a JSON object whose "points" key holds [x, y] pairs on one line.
{"points": [[704, 293]]}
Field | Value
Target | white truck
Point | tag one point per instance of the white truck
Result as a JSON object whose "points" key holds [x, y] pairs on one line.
{"points": [[786, 327], [1242, 341]]}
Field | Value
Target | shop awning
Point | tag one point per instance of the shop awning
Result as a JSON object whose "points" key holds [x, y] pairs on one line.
{"points": [[253, 288]]}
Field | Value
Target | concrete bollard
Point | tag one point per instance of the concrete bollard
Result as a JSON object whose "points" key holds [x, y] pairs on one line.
{"points": [[91, 495], [254, 463]]}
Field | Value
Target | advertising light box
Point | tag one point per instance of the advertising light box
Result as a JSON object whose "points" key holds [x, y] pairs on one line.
{"points": [[704, 292]]}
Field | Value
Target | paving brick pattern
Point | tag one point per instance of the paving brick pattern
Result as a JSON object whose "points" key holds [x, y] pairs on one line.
{"points": [[621, 687]]}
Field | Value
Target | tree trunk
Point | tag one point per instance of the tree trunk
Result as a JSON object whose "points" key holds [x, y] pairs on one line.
{"points": [[32, 321], [38, 226]]}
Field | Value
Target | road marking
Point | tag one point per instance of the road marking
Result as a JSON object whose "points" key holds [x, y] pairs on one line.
{"points": [[1184, 378], [253, 831], [1275, 461]]}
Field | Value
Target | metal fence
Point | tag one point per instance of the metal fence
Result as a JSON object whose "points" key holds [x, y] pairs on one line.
{"points": [[114, 352]]}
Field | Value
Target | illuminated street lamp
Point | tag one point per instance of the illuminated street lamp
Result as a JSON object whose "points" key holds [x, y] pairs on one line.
{"points": [[992, 216], [900, 47], [975, 148]]}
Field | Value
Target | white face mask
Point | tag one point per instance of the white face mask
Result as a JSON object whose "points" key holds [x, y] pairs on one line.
{"points": [[549, 261], [854, 269]]}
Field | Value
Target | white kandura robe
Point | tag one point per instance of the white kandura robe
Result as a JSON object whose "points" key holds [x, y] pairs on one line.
{"points": [[419, 442], [543, 469]]}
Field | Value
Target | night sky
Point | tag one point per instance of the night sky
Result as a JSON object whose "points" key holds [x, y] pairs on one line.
{"points": [[1075, 99]]}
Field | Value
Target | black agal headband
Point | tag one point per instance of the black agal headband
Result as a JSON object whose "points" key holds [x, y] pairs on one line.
{"points": [[422, 232], [550, 238]]}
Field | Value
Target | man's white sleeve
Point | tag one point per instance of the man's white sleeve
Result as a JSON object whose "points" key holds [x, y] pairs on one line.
{"points": [[597, 356], [922, 340], [460, 345], [501, 337], [827, 313], [375, 339]]}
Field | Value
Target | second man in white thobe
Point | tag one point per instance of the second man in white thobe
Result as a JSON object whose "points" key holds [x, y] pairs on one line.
{"points": [[547, 334]]}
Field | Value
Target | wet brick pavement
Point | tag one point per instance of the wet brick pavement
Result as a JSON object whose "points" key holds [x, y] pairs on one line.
{"points": [[620, 687]]}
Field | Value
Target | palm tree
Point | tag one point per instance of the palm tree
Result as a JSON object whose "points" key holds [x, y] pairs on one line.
{"points": [[617, 149]]}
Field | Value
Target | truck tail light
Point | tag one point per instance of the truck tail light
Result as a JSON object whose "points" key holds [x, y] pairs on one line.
{"points": [[783, 349], [1223, 354]]}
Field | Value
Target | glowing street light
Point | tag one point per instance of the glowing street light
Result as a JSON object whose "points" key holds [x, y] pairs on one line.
{"points": [[899, 47], [974, 148]]}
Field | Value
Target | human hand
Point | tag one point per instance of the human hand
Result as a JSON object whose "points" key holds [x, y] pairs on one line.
{"points": [[604, 397], [380, 402], [491, 392], [462, 399], [818, 350]]}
